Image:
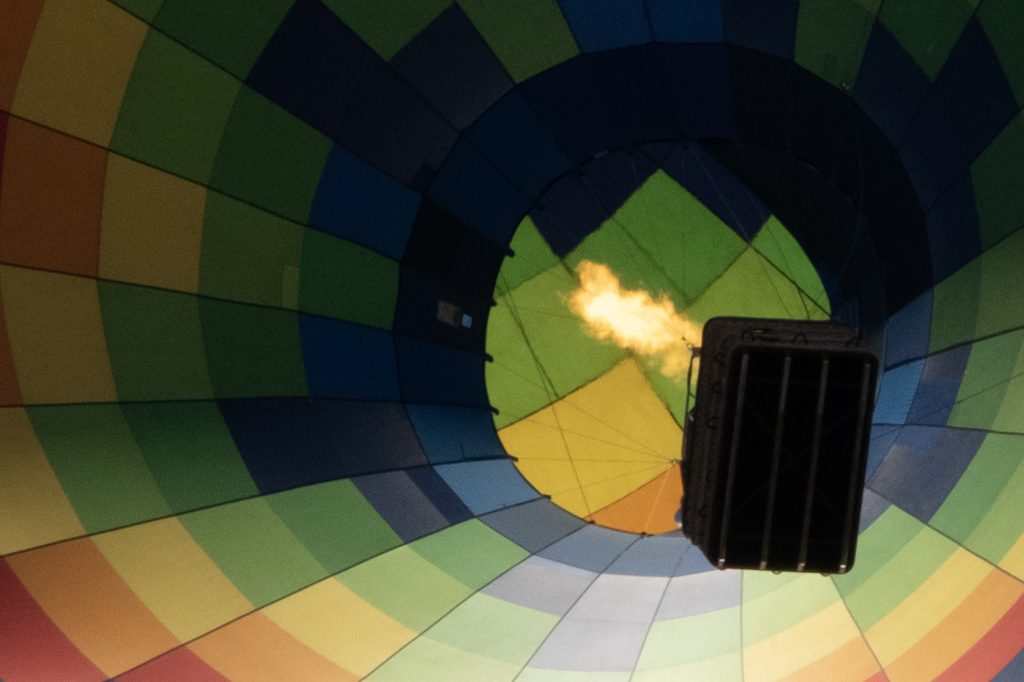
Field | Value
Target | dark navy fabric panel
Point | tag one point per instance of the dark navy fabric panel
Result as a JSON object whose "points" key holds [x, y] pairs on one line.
{"points": [[419, 299], [613, 178], [348, 361], [437, 374], [487, 485], [698, 85], [606, 24], [1014, 671], [768, 27], [938, 387], [366, 437], [318, 69], [440, 494], [533, 525], [453, 434], [686, 21], [591, 548], [923, 466], [401, 503], [890, 85], [930, 152], [472, 188], [567, 212], [908, 331], [453, 68], [882, 438], [954, 238], [763, 96], [651, 556], [361, 204]]}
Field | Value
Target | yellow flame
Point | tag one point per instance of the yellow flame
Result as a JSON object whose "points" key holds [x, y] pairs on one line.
{"points": [[634, 319]]}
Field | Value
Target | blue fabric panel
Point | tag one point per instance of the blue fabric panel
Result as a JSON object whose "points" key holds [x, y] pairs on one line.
{"points": [[923, 466], [698, 85], [401, 503], [453, 68], [908, 331], [938, 387], [471, 187], [432, 373], [701, 592], [890, 85], [1014, 671], [318, 69], [510, 136], [613, 178], [416, 315], [953, 235], [873, 506], [455, 434], [686, 21], [606, 24], [533, 525], [591, 548], [368, 437], [440, 494], [568, 212], [897, 393], [882, 439], [487, 485], [359, 203], [651, 556], [763, 26], [348, 361], [718, 189], [694, 562]]}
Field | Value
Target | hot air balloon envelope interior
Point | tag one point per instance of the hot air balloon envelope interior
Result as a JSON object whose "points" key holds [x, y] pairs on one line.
{"points": [[776, 445]]}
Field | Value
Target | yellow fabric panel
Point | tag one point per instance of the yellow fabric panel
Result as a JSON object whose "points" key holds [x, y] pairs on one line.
{"points": [[57, 338], [78, 65], [86, 598], [798, 646], [152, 227], [33, 507], [335, 622], [925, 608], [853, 661], [960, 630], [254, 648], [173, 577], [1013, 562]]}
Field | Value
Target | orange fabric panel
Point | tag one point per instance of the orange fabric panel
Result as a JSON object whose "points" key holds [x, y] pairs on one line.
{"points": [[852, 661], [51, 201], [650, 509], [994, 652], [17, 26], [255, 648], [91, 604]]}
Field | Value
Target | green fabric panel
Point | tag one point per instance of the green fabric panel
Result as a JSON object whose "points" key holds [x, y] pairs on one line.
{"points": [[777, 245], [980, 485], [831, 36], [155, 343], [249, 255], [1002, 21], [143, 9], [428, 660], [996, 177], [270, 158], [347, 281], [335, 523], [255, 549], [663, 240], [252, 351], [1003, 525], [876, 546], [955, 307], [230, 33], [984, 384], [99, 465], [190, 453], [928, 30], [900, 577], [670, 390], [174, 110], [784, 607], [471, 553], [494, 628], [387, 25], [554, 337], [695, 638], [1010, 416], [528, 36], [1001, 304], [406, 586], [533, 256]]}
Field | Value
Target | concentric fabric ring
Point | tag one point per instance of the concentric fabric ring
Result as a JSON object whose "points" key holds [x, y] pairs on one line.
{"points": [[236, 441]]}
